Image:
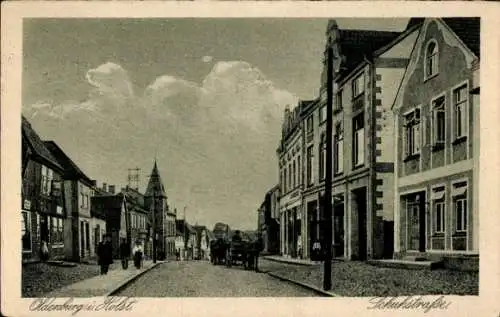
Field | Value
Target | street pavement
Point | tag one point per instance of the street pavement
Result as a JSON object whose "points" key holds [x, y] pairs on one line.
{"points": [[202, 279]]}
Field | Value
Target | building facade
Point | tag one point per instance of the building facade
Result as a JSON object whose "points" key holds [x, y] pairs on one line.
{"points": [[269, 227], [138, 220], [43, 216], [82, 229], [170, 232], [437, 133], [290, 161]]}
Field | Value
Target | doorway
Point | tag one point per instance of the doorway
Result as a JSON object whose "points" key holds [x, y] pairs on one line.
{"points": [[415, 207], [338, 229], [360, 205]]}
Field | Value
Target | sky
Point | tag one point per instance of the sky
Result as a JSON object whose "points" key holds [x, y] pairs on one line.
{"points": [[204, 97]]}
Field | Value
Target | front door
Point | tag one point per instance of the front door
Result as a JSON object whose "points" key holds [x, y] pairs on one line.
{"points": [[82, 239], [338, 230], [416, 223]]}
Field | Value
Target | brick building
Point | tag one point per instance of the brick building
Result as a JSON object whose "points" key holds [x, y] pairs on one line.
{"points": [[437, 133]]}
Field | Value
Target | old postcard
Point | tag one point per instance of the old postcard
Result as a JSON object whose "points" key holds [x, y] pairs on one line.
{"points": [[249, 158]]}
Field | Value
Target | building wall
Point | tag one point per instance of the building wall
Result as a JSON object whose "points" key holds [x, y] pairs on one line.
{"points": [[437, 166]]}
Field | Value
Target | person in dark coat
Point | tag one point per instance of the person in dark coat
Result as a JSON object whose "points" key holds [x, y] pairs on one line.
{"points": [[124, 253], [138, 253], [105, 254]]}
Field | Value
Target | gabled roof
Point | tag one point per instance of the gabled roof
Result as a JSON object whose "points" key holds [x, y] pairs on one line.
{"points": [[466, 28], [356, 45], [155, 184], [71, 170], [39, 150]]}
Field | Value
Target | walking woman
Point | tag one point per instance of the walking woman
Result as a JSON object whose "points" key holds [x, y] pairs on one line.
{"points": [[137, 252], [105, 254]]}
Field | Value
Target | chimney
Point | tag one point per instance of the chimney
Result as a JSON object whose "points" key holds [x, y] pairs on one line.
{"points": [[105, 187], [112, 189]]}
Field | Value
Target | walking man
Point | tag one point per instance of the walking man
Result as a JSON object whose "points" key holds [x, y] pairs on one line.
{"points": [[124, 252], [138, 252], [105, 254]]}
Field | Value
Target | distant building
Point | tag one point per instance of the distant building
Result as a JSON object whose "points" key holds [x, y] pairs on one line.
{"points": [[138, 220], [437, 142], [115, 209], [155, 201], [269, 226], [43, 216]]}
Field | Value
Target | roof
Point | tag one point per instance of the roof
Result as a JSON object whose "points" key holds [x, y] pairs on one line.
{"points": [[71, 170], [103, 206], [190, 228], [155, 184], [210, 235], [466, 28], [357, 45], [38, 147]]}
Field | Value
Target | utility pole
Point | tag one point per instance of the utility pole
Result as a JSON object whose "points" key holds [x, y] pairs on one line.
{"points": [[327, 279], [154, 227]]}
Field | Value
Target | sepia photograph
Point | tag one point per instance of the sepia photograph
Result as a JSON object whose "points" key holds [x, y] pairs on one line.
{"points": [[238, 157]]}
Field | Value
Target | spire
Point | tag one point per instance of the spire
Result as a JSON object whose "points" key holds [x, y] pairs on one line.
{"points": [[155, 184]]}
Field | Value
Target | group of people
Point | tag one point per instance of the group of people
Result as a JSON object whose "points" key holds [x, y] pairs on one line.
{"points": [[105, 253]]}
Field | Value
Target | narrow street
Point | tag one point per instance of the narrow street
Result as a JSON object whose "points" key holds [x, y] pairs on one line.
{"points": [[202, 279]]}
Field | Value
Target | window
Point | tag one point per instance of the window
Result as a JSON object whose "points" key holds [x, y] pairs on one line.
{"points": [[294, 175], [299, 171], [358, 86], [56, 231], [460, 111], [322, 114], [25, 230], [431, 60], [358, 154], [438, 210], [47, 177], [412, 124], [338, 149], [322, 157], [438, 121], [338, 100], [290, 176], [460, 206], [309, 124], [309, 165], [284, 183]]}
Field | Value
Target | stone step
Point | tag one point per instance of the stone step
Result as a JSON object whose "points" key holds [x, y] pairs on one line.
{"points": [[405, 264]]}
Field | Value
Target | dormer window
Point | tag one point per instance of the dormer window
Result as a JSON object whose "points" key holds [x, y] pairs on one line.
{"points": [[431, 59]]}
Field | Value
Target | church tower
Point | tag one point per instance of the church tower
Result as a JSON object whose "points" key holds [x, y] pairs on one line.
{"points": [[155, 192]]}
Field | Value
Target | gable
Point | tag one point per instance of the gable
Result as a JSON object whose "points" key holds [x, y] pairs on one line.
{"points": [[449, 44]]}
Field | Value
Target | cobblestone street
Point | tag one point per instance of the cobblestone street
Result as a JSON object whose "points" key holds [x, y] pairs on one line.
{"points": [[202, 279]]}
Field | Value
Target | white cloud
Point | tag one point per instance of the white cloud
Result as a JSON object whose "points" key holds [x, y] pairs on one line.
{"points": [[207, 59]]}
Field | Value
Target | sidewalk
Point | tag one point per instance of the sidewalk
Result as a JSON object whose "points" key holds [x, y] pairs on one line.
{"points": [[282, 259], [103, 285]]}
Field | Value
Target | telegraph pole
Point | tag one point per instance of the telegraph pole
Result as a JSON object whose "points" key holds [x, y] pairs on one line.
{"points": [[327, 279]]}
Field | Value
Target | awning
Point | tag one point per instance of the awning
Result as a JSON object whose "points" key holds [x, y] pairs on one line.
{"points": [[437, 195], [459, 191]]}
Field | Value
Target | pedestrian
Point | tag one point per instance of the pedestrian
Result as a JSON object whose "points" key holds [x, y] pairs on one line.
{"points": [[44, 251], [124, 252], [138, 252], [178, 254], [105, 254], [259, 247]]}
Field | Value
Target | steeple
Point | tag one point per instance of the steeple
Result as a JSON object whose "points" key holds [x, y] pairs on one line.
{"points": [[155, 184]]}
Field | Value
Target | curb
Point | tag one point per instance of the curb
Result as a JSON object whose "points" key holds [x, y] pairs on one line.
{"points": [[304, 285], [290, 262], [123, 284]]}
